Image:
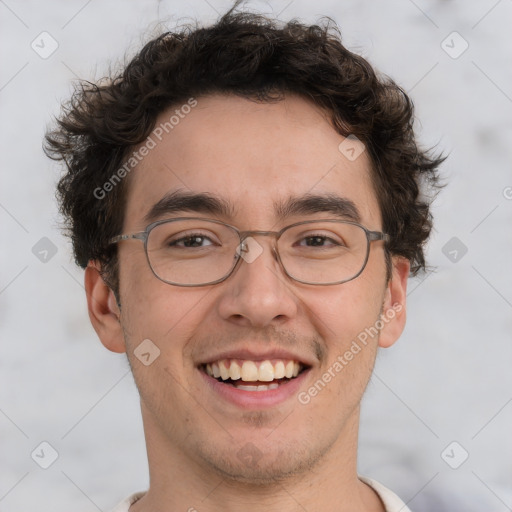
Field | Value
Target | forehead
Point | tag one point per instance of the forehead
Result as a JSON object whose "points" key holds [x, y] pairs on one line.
{"points": [[255, 157]]}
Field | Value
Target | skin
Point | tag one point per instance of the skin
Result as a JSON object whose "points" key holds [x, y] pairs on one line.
{"points": [[227, 146]]}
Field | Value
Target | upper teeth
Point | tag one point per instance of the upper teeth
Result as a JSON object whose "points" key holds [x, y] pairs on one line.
{"points": [[265, 371]]}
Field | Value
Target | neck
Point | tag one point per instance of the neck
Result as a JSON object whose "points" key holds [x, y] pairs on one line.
{"points": [[180, 481]]}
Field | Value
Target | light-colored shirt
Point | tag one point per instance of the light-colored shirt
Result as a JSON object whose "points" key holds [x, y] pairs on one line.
{"points": [[391, 501]]}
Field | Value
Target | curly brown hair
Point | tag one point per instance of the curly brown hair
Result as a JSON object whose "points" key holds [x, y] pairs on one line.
{"points": [[257, 58]]}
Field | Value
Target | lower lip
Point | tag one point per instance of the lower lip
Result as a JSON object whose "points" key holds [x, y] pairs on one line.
{"points": [[256, 399]]}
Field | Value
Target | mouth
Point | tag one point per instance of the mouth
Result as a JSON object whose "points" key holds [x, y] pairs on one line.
{"points": [[254, 376]]}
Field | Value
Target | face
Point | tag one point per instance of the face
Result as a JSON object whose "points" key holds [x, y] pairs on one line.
{"points": [[252, 157]]}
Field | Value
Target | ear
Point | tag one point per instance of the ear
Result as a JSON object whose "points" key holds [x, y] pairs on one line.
{"points": [[104, 312], [394, 306]]}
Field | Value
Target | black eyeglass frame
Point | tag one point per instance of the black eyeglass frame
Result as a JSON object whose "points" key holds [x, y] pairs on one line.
{"points": [[371, 236]]}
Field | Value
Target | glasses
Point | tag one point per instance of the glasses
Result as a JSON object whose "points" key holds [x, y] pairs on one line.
{"points": [[189, 251]]}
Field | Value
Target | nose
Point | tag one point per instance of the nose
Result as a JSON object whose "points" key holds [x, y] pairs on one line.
{"points": [[258, 293]]}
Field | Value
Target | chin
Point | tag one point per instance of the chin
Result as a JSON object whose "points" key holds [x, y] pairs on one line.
{"points": [[262, 467]]}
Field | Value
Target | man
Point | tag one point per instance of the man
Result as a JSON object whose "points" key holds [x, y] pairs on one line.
{"points": [[245, 199]]}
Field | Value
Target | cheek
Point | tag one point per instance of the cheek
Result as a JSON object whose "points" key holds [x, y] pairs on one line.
{"points": [[345, 319], [340, 313], [152, 309], [160, 319]]}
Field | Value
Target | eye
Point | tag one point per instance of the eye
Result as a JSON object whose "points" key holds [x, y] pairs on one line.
{"points": [[191, 241], [319, 240]]}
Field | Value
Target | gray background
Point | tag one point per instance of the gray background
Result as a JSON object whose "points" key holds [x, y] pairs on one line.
{"points": [[448, 378]]}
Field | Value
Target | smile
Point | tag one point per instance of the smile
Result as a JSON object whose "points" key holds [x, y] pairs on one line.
{"points": [[248, 375]]}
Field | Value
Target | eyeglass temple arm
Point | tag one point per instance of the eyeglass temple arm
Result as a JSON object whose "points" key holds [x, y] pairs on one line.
{"points": [[138, 236], [374, 236]]}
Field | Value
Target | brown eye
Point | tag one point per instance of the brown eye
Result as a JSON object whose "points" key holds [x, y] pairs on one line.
{"points": [[191, 241], [318, 241]]}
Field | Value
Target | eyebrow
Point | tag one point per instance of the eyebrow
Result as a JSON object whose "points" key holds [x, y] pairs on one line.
{"points": [[338, 206], [180, 201]]}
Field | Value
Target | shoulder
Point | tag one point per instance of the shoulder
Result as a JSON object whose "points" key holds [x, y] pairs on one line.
{"points": [[391, 501], [124, 506]]}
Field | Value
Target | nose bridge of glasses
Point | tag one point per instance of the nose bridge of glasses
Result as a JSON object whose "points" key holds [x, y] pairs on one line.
{"points": [[247, 234], [248, 243]]}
